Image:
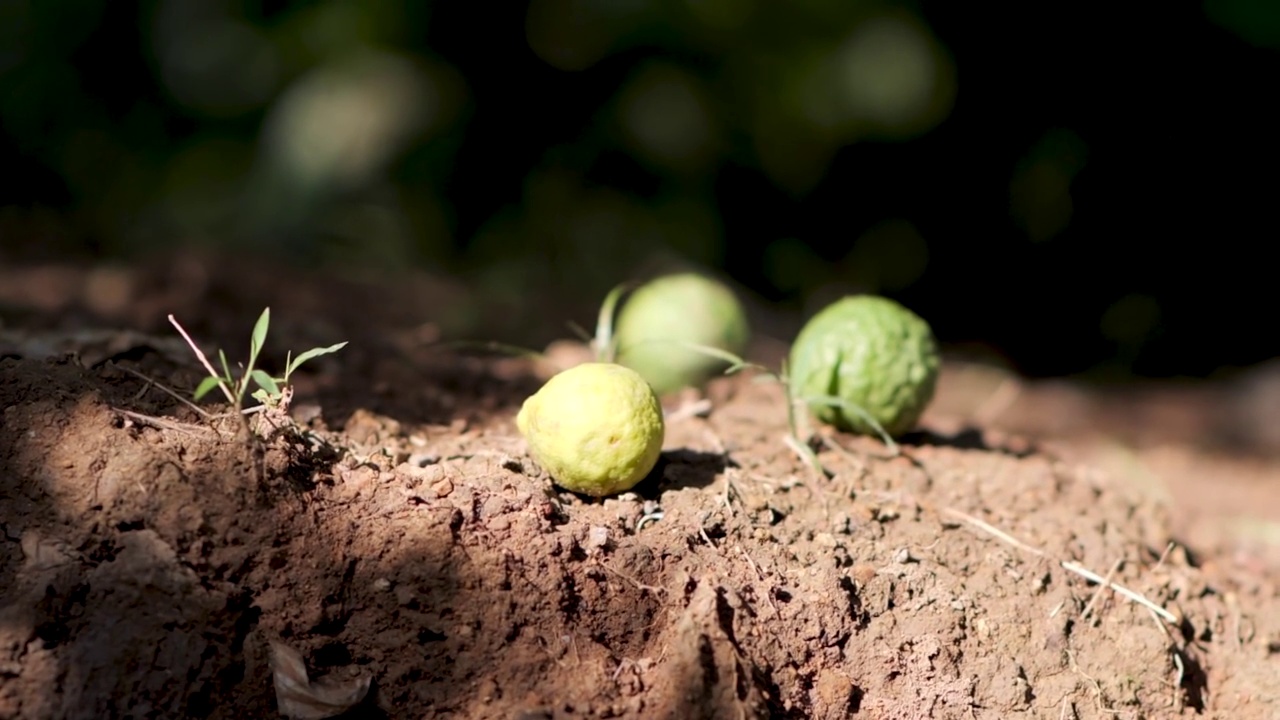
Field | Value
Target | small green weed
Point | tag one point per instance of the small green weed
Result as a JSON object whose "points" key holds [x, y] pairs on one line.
{"points": [[272, 392], [794, 402]]}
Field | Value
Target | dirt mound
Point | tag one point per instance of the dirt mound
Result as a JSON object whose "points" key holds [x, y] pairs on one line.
{"points": [[150, 560]]}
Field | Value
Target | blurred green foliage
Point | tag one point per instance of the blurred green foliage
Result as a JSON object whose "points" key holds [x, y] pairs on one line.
{"points": [[1256, 21], [980, 168], [332, 130]]}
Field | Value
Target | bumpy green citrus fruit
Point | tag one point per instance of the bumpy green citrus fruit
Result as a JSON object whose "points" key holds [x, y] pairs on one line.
{"points": [[660, 319], [871, 352], [596, 428]]}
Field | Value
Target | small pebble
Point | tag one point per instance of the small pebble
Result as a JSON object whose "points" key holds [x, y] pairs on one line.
{"points": [[843, 524], [597, 537], [423, 459]]}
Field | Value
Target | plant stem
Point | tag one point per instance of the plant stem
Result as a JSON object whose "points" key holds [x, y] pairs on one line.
{"points": [[204, 361]]}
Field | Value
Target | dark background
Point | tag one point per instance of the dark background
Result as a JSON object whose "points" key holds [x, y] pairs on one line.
{"points": [[1083, 189]]}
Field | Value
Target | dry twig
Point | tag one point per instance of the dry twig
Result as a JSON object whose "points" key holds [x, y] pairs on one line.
{"points": [[636, 583], [1088, 608], [160, 423], [152, 382], [203, 360], [1067, 565], [688, 410]]}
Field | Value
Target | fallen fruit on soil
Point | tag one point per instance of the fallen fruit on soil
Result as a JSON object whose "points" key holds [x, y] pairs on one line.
{"points": [[869, 352], [597, 428], [662, 318]]}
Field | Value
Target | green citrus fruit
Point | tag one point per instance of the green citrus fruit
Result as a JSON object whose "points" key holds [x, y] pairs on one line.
{"points": [[662, 317], [871, 352], [597, 428]]}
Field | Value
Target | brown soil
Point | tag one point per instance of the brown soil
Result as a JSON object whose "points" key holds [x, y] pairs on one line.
{"points": [[395, 532]]}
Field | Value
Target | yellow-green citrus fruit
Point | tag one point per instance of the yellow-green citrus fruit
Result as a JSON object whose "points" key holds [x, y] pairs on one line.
{"points": [[871, 352], [597, 428], [662, 317]]}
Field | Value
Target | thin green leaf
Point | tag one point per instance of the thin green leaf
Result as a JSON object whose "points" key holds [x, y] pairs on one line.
{"points": [[206, 385], [313, 352], [580, 332], [266, 382], [784, 377], [807, 454], [714, 352], [259, 335], [604, 322], [494, 347], [736, 363], [226, 369], [854, 408]]}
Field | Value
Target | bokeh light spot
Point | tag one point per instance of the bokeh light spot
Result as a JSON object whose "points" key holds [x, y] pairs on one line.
{"points": [[211, 63], [888, 257], [892, 74], [1040, 192], [1131, 321], [345, 120], [573, 35], [666, 118]]}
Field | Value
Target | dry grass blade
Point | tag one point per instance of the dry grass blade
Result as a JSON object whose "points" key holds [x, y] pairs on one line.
{"points": [[1132, 595], [994, 531], [203, 360], [1065, 564], [634, 583], [696, 408], [1088, 608], [160, 423], [152, 382], [298, 697]]}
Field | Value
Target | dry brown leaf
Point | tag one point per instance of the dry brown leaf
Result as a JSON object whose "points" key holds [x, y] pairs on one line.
{"points": [[298, 697]]}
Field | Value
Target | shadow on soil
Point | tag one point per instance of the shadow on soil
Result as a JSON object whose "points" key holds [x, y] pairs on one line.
{"points": [[145, 570], [683, 468], [970, 438], [390, 365]]}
